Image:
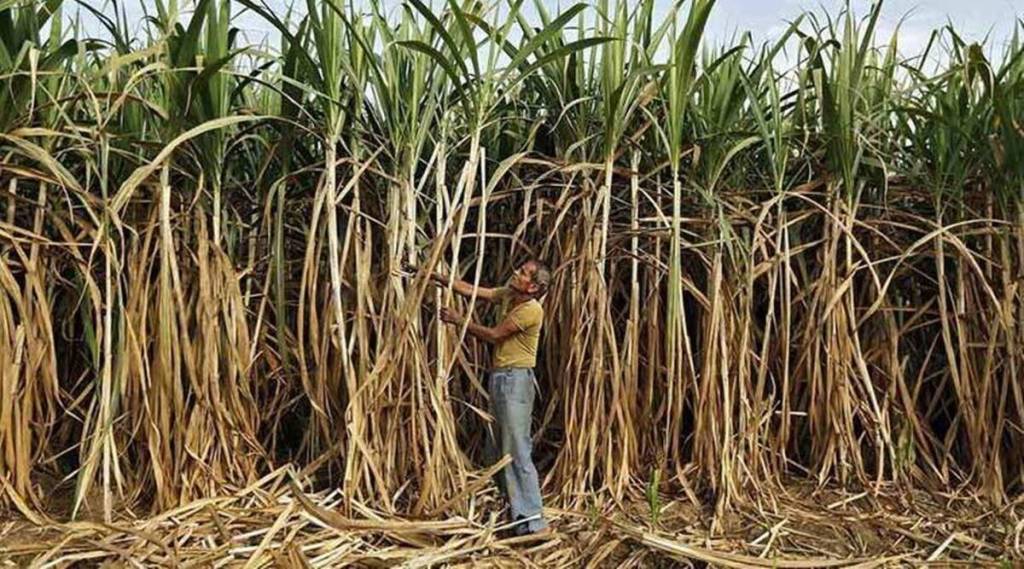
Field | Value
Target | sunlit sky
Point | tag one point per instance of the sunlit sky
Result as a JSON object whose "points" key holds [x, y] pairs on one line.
{"points": [[974, 19]]}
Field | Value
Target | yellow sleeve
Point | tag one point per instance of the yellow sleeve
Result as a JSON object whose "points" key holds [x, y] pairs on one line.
{"points": [[527, 315]]}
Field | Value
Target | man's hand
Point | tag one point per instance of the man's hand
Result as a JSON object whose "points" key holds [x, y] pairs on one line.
{"points": [[450, 316], [411, 269]]}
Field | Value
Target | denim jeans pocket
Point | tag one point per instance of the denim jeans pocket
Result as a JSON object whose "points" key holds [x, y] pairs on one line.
{"points": [[512, 385], [520, 387]]}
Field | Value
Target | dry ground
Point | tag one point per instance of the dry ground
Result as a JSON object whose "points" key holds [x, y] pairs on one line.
{"points": [[273, 524]]}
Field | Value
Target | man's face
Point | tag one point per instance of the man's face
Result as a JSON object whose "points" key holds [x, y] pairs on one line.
{"points": [[522, 278]]}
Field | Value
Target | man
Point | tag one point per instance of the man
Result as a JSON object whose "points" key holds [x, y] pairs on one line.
{"points": [[511, 380]]}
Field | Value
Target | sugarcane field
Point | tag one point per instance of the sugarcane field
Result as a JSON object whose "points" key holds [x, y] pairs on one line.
{"points": [[507, 283]]}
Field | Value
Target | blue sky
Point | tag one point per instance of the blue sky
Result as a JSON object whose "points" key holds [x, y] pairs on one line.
{"points": [[767, 18], [973, 18]]}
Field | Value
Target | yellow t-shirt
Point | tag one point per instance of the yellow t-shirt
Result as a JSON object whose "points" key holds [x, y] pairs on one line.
{"points": [[520, 349]]}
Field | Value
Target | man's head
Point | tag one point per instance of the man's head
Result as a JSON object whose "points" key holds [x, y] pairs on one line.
{"points": [[531, 278]]}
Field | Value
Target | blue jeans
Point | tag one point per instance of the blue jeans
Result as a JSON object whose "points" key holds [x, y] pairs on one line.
{"points": [[512, 393]]}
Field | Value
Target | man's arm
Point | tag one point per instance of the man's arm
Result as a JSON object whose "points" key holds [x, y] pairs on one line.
{"points": [[466, 289], [491, 335], [460, 286]]}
